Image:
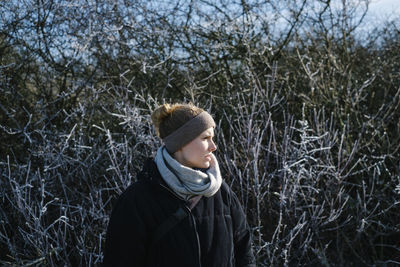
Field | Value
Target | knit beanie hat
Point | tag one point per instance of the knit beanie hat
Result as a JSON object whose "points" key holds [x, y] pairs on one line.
{"points": [[178, 124]]}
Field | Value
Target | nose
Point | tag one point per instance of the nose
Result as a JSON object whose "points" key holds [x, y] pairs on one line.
{"points": [[212, 147]]}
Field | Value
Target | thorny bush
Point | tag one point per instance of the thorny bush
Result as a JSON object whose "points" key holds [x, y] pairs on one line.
{"points": [[294, 178]]}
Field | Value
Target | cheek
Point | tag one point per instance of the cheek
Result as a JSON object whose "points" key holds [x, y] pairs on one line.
{"points": [[202, 148], [198, 146], [197, 151]]}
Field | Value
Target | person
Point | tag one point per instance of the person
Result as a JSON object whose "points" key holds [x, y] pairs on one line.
{"points": [[179, 212]]}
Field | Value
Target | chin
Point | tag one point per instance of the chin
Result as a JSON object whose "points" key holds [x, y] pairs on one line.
{"points": [[206, 165]]}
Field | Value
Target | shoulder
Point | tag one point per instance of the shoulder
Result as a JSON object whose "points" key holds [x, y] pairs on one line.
{"points": [[130, 200], [224, 194], [134, 191], [229, 196], [143, 189], [225, 188]]}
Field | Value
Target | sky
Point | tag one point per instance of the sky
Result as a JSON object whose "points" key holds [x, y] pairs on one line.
{"points": [[383, 9]]}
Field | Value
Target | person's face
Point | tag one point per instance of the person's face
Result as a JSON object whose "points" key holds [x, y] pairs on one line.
{"points": [[197, 153]]}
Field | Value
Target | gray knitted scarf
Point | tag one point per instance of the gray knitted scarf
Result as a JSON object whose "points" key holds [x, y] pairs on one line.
{"points": [[187, 182]]}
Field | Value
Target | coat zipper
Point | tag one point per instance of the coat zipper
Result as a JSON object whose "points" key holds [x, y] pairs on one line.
{"points": [[197, 234], [193, 221]]}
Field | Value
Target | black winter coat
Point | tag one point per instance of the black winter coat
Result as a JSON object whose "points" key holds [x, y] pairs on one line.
{"points": [[215, 232]]}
